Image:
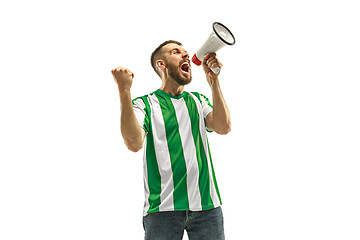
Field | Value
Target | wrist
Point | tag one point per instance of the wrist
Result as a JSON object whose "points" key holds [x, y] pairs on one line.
{"points": [[124, 94], [214, 84], [124, 91]]}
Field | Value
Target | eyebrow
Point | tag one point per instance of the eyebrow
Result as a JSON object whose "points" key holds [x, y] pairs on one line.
{"points": [[177, 49]]}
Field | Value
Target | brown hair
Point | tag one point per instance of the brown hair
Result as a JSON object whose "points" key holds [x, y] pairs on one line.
{"points": [[158, 54]]}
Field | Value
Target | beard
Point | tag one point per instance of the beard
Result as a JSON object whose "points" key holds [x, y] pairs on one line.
{"points": [[174, 73]]}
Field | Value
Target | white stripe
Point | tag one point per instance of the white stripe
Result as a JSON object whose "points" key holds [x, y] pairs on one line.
{"points": [[162, 155], [146, 183], [139, 111], [189, 150], [213, 194]]}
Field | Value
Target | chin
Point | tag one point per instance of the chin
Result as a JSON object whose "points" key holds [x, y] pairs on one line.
{"points": [[184, 81], [181, 79]]}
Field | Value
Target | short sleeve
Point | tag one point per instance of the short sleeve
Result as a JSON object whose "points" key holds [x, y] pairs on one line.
{"points": [[140, 113], [206, 106]]}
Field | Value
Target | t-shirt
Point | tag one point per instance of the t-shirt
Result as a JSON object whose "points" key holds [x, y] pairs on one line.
{"points": [[178, 169]]}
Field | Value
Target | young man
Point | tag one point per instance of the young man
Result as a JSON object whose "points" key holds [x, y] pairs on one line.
{"points": [[181, 192]]}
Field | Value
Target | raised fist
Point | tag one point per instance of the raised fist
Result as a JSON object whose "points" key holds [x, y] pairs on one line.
{"points": [[123, 77]]}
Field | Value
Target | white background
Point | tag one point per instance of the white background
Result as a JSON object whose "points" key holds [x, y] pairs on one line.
{"points": [[288, 170]]}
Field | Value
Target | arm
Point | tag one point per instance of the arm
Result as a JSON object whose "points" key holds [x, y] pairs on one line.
{"points": [[219, 119], [132, 133]]}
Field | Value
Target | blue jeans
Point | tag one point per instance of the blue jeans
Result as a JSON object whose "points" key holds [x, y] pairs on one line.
{"points": [[201, 225]]}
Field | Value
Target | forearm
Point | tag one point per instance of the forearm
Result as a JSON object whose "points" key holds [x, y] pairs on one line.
{"points": [[221, 113], [131, 131]]}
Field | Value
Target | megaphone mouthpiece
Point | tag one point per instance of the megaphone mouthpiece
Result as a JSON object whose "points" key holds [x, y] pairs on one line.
{"points": [[196, 60]]}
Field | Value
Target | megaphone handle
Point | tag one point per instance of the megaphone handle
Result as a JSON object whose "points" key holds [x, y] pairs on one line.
{"points": [[216, 70]]}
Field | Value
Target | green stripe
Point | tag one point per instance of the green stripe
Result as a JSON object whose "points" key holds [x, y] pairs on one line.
{"points": [[154, 178], [213, 173], [208, 103], [198, 96], [176, 153], [204, 180]]}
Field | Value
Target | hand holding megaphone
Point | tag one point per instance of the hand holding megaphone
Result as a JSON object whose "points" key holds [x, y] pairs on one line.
{"points": [[211, 64], [219, 37]]}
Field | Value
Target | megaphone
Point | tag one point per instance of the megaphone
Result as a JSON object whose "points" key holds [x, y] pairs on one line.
{"points": [[220, 37]]}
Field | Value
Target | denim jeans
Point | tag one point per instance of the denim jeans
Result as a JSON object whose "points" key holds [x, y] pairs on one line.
{"points": [[199, 225]]}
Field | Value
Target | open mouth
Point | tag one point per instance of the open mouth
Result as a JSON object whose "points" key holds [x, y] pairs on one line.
{"points": [[185, 67]]}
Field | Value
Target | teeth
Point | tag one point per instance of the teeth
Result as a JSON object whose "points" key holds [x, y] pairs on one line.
{"points": [[185, 67]]}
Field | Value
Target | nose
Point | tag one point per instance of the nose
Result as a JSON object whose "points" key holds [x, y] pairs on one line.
{"points": [[185, 55]]}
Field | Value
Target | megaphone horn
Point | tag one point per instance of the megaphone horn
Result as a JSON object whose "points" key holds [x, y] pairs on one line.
{"points": [[219, 37]]}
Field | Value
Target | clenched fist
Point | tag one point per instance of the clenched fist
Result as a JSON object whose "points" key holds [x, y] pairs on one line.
{"points": [[123, 77]]}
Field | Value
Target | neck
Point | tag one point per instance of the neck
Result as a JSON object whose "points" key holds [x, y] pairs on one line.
{"points": [[171, 87]]}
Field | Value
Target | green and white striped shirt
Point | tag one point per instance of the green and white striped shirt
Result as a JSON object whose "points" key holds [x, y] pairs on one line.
{"points": [[178, 170]]}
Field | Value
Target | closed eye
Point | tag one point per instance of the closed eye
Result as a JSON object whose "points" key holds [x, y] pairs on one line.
{"points": [[177, 51]]}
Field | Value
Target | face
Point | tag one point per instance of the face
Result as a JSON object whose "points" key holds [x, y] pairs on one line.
{"points": [[177, 63]]}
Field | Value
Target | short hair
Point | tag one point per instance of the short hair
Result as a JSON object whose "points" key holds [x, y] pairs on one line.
{"points": [[158, 54]]}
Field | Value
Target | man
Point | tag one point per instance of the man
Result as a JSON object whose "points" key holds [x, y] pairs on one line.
{"points": [[181, 192]]}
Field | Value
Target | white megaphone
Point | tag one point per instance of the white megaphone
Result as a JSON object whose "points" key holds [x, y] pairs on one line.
{"points": [[220, 37]]}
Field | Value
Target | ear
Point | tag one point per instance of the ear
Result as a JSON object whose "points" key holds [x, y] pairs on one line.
{"points": [[161, 64]]}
